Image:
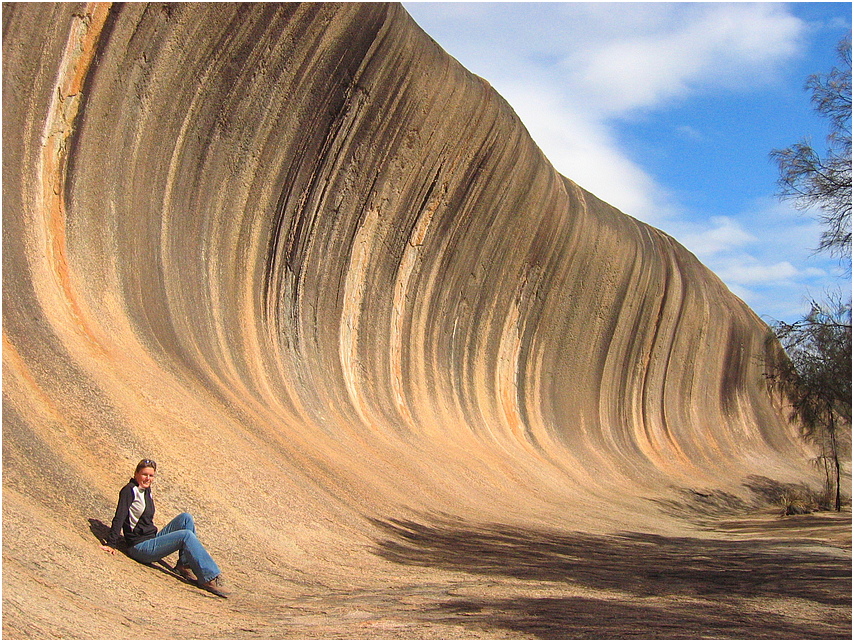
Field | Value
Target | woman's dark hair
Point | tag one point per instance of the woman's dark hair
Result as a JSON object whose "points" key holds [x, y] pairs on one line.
{"points": [[145, 463]]}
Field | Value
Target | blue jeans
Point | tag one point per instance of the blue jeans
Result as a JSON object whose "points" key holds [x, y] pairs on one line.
{"points": [[178, 535]]}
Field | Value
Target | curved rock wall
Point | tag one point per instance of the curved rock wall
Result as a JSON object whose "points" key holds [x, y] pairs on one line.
{"points": [[303, 258]]}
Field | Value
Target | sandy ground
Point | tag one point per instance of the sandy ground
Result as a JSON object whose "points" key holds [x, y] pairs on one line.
{"points": [[758, 576]]}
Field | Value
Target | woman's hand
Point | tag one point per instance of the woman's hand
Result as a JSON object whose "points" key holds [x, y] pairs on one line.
{"points": [[109, 549]]}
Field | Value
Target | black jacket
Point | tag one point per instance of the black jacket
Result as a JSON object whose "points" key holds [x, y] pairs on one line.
{"points": [[144, 529]]}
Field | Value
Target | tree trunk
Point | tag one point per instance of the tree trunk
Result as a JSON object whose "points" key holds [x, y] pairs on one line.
{"points": [[834, 451]]}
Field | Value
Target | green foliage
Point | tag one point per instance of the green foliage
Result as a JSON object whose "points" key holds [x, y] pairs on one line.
{"points": [[819, 350], [816, 378]]}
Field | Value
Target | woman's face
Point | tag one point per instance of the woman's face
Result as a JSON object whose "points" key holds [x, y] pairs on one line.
{"points": [[144, 477]]}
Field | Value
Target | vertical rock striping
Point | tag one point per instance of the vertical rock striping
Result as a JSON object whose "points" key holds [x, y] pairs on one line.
{"points": [[302, 244]]}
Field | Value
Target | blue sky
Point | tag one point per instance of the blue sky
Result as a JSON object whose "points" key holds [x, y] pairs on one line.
{"points": [[669, 111]]}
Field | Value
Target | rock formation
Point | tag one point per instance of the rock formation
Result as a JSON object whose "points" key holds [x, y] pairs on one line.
{"points": [[321, 273]]}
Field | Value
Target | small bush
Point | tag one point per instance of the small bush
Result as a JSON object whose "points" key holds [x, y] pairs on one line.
{"points": [[800, 501]]}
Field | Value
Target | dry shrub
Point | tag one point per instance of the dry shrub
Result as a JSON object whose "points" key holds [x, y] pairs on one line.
{"points": [[803, 501]]}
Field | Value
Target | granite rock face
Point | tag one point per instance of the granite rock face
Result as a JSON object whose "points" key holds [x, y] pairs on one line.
{"points": [[321, 273]]}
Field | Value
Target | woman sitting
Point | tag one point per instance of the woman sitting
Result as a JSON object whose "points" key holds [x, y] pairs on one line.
{"points": [[135, 516]]}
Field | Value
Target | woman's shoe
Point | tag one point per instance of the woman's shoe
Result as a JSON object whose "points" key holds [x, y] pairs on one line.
{"points": [[185, 572], [215, 586]]}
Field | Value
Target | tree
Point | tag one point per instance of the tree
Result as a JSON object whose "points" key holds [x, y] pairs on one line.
{"points": [[812, 181], [816, 375]]}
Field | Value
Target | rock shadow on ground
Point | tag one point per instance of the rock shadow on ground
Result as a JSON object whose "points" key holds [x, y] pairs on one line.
{"points": [[663, 587]]}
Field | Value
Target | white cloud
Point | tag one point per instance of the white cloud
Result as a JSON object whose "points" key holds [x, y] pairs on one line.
{"points": [[815, 272], [570, 70], [574, 72], [746, 270], [724, 234], [765, 256], [583, 149], [689, 132], [714, 44]]}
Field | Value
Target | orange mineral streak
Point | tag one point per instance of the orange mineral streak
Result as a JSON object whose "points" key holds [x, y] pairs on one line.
{"points": [[319, 271], [15, 364], [59, 128]]}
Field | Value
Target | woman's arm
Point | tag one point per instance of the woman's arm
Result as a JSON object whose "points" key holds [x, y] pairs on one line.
{"points": [[122, 508]]}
